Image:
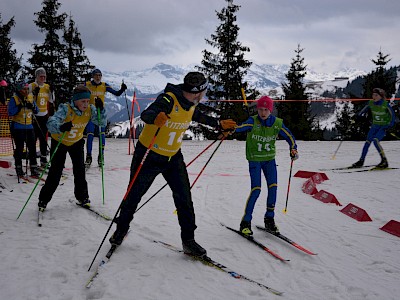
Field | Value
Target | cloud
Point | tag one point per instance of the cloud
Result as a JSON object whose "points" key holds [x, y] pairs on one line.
{"points": [[123, 34]]}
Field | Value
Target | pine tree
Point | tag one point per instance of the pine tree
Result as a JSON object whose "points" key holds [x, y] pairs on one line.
{"points": [[226, 69], [296, 114], [51, 54], [78, 64], [9, 63]]}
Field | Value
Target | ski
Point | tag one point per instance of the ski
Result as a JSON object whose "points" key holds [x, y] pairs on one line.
{"points": [[287, 240], [346, 168], [257, 243], [206, 260], [40, 217], [101, 264], [100, 214], [25, 179], [367, 170]]}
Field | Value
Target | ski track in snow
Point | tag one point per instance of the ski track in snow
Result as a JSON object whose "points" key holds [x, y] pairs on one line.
{"points": [[355, 260]]}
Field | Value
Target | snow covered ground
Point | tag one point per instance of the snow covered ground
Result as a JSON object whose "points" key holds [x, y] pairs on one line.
{"points": [[356, 260]]}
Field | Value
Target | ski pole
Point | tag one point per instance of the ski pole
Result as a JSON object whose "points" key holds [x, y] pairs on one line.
{"points": [[167, 183], [41, 131], [288, 188], [126, 194], [209, 159], [41, 175], [334, 154], [101, 153]]}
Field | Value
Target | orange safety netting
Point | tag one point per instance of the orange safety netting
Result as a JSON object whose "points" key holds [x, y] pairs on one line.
{"points": [[6, 148]]}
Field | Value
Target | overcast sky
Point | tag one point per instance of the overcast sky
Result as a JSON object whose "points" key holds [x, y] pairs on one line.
{"points": [[122, 35]]}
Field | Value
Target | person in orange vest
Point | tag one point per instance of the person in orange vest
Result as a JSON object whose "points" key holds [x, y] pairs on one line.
{"points": [[69, 122], [20, 109]]}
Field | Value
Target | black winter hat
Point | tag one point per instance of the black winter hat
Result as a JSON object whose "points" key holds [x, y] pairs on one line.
{"points": [[379, 91], [194, 82]]}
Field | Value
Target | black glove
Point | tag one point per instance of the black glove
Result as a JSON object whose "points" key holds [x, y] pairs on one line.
{"points": [[35, 92], [123, 87], [66, 126], [29, 105], [98, 103]]}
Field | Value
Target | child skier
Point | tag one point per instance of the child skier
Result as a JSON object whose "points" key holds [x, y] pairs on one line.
{"points": [[67, 126], [20, 109], [383, 118], [262, 130]]}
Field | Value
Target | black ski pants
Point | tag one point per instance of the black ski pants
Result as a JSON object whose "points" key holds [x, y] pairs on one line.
{"points": [[40, 127], [173, 169], [24, 137], [57, 165]]}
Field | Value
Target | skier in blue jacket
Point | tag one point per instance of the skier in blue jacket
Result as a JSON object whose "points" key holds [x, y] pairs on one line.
{"points": [[262, 130], [20, 109]]}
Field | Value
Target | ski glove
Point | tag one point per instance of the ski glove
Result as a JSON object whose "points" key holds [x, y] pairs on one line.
{"points": [[294, 154], [98, 103], [227, 125], [36, 91], [123, 87], [66, 126], [29, 105], [161, 119]]}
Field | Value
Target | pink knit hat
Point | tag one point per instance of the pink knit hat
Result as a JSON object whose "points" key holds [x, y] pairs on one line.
{"points": [[265, 102]]}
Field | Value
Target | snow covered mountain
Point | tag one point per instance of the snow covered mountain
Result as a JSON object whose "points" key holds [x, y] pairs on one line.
{"points": [[266, 78], [263, 77]]}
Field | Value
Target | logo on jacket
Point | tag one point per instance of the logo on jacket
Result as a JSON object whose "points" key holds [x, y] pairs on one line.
{"points": [[176, 108]]}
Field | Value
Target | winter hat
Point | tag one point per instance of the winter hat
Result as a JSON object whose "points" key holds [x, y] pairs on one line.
{"points": [[3, 83], [96, 71], [379, 91], [194, 82], [80, 92], [20, 85], [265, 102], [40, 71]]}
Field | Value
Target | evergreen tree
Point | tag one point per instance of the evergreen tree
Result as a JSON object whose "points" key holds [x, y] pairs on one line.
{"points": [[78, 64], [50, 54], [9, 63], [296, 114], [226, 69]]}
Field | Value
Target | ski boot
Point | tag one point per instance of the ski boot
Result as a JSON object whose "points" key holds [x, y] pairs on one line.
{"points": [[383, 164], [118, 236], [192, 248], [270, 225], [358, 164], [245, 228], [88, 161]]}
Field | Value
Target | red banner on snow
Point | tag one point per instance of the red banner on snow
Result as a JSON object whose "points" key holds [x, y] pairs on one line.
{"points": [[5, 164], [326, 197], [392, 227], [319, 177], [309, 187], [356, 212]]}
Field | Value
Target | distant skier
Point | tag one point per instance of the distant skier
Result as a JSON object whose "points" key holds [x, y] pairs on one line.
{"points": [[383, 118], [71, 118], [262, 130], [171, 114], [98, 90]]}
